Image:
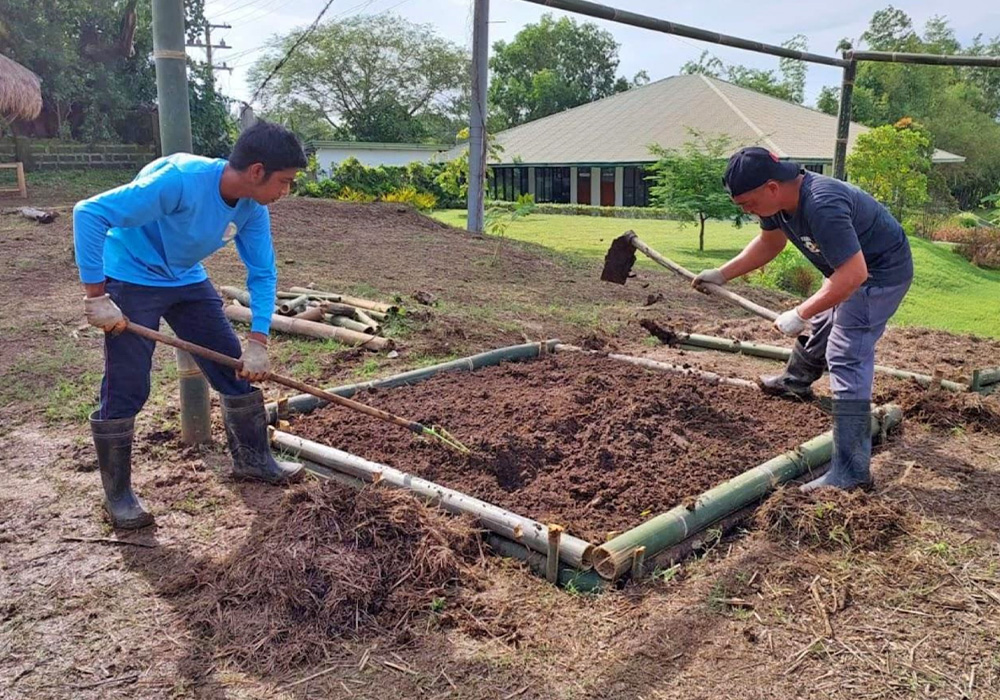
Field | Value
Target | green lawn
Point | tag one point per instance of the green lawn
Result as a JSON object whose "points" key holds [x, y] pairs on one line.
{"points": [[948, 292]]}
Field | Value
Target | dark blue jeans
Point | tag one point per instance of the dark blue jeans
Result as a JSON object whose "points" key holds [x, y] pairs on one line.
{"points": [[194, 312]]}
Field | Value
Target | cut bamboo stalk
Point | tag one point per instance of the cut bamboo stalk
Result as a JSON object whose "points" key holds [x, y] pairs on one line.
{"points": [[379, 316], [987, 376], [638, 562], [711, 377], [344, 299], [350, 323], [583, 580], [364, 318], [312, 329], [290, 307], [335, 308], [313, 313], [695, 341], [574, 551], [305, 403], [614, 558], [552, 564], [240, 295]]}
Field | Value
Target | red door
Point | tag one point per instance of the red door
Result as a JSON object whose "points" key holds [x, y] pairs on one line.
{"points": [[607, 187], [583, 186]]}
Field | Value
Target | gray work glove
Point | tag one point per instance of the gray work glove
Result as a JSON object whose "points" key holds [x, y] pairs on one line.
{"points": [[104, 314], [711, 276], [256, 364], [791, 323]]}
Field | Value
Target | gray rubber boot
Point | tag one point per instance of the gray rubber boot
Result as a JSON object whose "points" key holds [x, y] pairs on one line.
{"points": [[850, 466], [113, 440], [796, 381], [246, 433]]}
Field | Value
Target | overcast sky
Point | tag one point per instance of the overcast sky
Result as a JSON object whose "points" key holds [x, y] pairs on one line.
{"points": [[660, 55]]}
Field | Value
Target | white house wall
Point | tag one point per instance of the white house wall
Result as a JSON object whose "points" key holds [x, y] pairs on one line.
{"points": [[329, 158]]}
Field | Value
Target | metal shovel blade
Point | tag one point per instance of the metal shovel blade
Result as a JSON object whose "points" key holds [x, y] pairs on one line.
{"points": [[619, 259]]}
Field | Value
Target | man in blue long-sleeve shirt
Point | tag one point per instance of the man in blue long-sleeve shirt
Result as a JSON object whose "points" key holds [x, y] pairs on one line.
{"points": [[139, 249]]}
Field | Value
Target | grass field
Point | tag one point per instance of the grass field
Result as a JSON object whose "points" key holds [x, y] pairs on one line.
{"points": [[948, 292]]}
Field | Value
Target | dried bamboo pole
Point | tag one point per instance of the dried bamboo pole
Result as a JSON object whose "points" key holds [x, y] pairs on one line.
{"points": [[313, 313], [666, 367], [343, 298], [240, 295], [293, 306], [531, 533], [312, 329]]}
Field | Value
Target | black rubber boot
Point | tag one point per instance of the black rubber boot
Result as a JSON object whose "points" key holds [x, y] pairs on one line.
{"points": [[797, 379], [850, 466], [113, 440], [246, 433]]}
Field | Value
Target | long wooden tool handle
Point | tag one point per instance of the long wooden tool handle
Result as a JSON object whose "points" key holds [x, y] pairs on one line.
{"points": [[712, 289], [236, 364]]}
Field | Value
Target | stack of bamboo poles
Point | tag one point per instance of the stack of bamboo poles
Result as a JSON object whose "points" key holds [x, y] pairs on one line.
{"points": [[318, 314]]}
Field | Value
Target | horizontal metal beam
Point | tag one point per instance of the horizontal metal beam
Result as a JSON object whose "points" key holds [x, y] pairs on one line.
{"points": [[593, 9], [927, 59]]}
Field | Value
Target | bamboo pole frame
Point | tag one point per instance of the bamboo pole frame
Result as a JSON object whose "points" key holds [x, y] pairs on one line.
{"points": [[695, 341], [531, 533], [614, 558]]}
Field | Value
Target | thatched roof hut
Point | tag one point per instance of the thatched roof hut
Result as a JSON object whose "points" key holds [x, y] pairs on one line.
{"points": [[20, 91]]}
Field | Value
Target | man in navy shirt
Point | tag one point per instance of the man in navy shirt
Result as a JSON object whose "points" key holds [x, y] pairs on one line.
{"points": [[865, 257], [139, 249]]}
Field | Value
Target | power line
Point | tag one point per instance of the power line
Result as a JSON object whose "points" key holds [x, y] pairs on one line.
{"points": [[305, 35]]}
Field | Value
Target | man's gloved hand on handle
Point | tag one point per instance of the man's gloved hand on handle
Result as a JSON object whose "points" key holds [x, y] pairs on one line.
{"points": [[791, 323], [710, 276], [103, 313], [256, 363]]}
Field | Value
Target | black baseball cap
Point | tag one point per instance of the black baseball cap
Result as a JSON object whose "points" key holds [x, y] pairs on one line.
{"points": [[751, 167]]}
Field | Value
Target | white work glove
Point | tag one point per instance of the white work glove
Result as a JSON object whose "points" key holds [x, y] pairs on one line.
{"points": [[790, 323], [711, 276], [256, 363], [104, 314]]}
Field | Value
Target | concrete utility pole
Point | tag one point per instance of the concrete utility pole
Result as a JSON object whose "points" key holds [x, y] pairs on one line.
{"points": [[477, 121], [208, 46], [175, 136]]}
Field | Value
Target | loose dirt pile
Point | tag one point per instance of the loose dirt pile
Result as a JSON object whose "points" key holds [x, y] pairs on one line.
{"points": [[583, 441], [330, 562], [830, 519], [948, 409]]}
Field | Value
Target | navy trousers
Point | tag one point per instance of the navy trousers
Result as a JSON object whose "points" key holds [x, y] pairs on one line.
{"points": [[194, 312]]}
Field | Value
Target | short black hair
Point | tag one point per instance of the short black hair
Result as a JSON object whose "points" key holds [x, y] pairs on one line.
{"points": [[271, 145]]}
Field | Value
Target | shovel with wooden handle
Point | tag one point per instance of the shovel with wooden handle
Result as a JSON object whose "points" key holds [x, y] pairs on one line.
{"points": [[435, 433], [620, 258]]}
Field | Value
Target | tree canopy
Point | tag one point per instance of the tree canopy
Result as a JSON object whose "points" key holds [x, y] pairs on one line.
{"points": [[368, 78], [551, 66]]}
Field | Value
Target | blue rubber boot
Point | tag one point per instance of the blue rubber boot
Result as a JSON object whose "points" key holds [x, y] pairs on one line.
{"points": [[850, 466]]}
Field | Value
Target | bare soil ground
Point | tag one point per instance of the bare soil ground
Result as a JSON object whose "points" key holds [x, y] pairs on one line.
{"points": [[760, 614], [580, 440]]}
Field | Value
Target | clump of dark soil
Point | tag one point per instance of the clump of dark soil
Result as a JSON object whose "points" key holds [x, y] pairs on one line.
{"points": [[329, 562], [949, 409], [829, 518], [587, 442]]}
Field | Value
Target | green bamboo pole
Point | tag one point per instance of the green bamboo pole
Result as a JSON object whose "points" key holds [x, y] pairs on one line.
{"points": [[294, 306], [305, 403], [614, 558], [581, 580], [351, 324], [240, 295], [572, 550], [343, 298], [986, 376], [773, 352]]}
